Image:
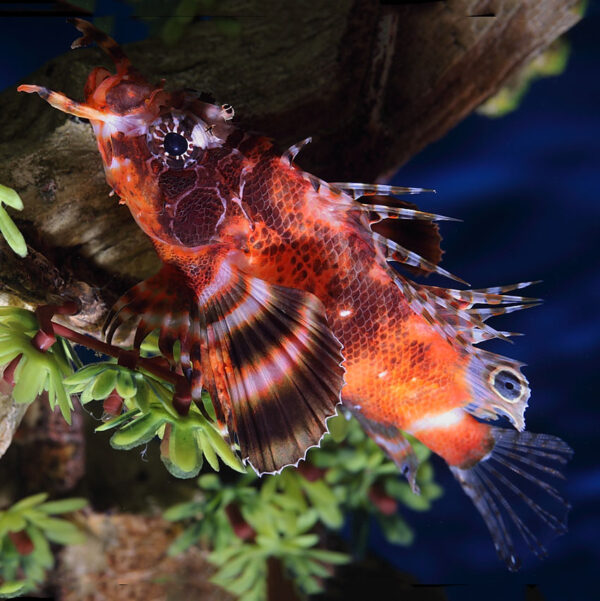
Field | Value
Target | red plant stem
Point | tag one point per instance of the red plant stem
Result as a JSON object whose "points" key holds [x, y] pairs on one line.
{"points": [[9, 371], [22, 542], [113, 351], [241, 527]]}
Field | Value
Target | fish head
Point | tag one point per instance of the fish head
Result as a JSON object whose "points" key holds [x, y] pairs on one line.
{"points": [[163, 152]]}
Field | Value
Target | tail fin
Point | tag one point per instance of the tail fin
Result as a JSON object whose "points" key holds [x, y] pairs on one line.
{"points": [[495, 485], [498, 388]]}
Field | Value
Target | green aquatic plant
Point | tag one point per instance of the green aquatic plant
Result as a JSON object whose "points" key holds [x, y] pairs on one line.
{"points": [[8, 229], [246, 522], [367, 482], [26, 530], [550, 63], [284, 517], [140, 401], [31, 369]]}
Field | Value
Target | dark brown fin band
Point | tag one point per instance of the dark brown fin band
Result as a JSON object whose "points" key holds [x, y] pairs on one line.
{"points": [[421, 236], [275, 367], [497, 486]]}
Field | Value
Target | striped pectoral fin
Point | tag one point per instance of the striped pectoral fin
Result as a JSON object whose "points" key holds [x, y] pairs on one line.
{"points": [[163, 302], [509, 490], [395, 445], [275, 367]]}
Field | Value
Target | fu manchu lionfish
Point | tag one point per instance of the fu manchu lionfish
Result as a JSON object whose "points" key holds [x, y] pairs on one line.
{"points": [[279, 287]]}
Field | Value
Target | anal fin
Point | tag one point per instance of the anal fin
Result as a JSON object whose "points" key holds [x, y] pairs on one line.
{"points": [[395, 445]]}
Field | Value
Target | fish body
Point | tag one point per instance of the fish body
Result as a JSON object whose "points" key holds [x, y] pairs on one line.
{"points": [[281, 291]]}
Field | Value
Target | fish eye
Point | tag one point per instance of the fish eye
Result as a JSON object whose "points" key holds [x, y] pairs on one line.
{"points": [[175, 144], [171, 138], [508, 384]]}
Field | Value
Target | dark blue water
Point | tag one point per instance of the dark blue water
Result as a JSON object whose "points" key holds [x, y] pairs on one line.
{"points": [[527, 189]]}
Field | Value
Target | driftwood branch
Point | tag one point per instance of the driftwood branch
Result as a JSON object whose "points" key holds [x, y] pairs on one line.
{"points": [[373, 83]]}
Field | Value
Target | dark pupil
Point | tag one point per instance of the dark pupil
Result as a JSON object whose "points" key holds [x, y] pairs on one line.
{"points": [[175, 144], [507, 385]]}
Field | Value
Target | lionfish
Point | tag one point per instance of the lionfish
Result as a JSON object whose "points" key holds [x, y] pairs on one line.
{"points": [[282, 292]]}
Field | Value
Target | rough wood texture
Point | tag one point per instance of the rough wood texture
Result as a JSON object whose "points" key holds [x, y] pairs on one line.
{"points": [[11, 414], [125, 558], [372, 83]]}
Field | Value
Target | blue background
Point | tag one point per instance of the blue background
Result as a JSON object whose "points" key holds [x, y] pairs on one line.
{"points": [[526, 186]]}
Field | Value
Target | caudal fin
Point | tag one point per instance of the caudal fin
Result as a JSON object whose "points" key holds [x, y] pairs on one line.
{"points": [[508, 484]]}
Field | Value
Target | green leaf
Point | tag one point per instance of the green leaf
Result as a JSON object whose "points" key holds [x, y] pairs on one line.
{"points": [[9, 197], [268, 488], [11, 233], [395, 529], [432, 491], [182, 511], [117, 421], [396, 488], [11, 522], [63, 506], [66, 536], [324, 501], [319, 569], [30, 377], [87, 396], [56, 391], [356, 462], [185, 540], [84, 375], [8, 589], [125, 385], [326, 556], [142, 396], [425, 473], [234, 566], [104, 384], [137, 432], [306, 520], [222, 556], [207, 450], [251, 576], [23, 319], [306, 540], [416, 502], [184, 460], [223, 450], [30, 501], [60, 531], [338, 427], [209, 482], [41, 548]]}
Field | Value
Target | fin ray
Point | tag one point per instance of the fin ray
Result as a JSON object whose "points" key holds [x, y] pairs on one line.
{"points": [[290, 154], [492, 491], [397, 252], [356, 190]]}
